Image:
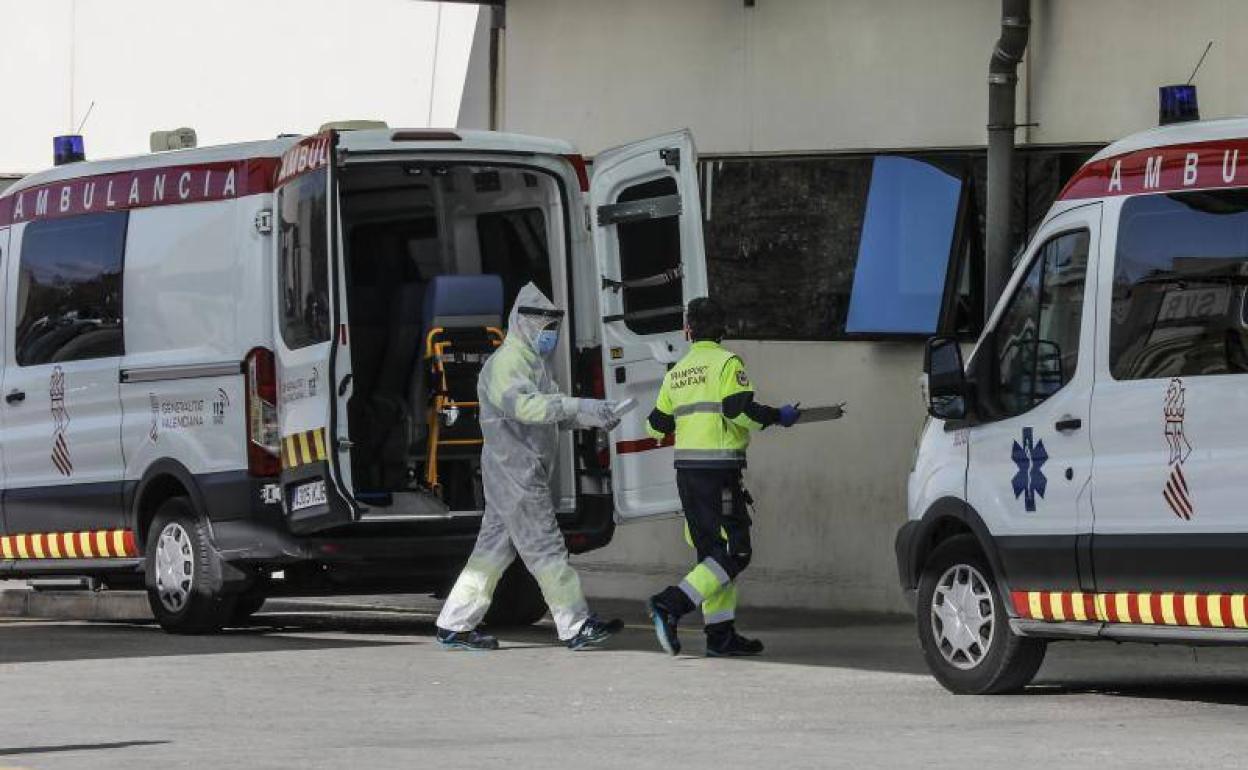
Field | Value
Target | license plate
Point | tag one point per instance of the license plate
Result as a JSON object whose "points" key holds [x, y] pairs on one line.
{"points": [[308, 495]]}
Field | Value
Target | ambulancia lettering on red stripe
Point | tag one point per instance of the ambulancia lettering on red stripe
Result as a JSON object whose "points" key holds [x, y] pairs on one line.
{"points": [[142, 188], [308, 155], [1193, 166]]}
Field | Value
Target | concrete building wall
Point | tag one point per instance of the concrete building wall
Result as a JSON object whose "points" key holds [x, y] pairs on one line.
{"points": [[790, 76], [794, 75], [830, 496]]}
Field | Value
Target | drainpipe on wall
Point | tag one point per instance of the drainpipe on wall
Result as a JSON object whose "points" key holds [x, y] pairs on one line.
{"points": [[1002, 82], [498, 23]]}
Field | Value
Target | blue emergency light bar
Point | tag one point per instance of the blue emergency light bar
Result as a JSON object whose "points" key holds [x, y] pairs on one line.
{"points": [[68, 148], [1177, 104]]}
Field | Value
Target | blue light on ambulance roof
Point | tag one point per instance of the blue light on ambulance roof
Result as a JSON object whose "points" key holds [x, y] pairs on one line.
{"points": [[68, 148], [1177, 104]]}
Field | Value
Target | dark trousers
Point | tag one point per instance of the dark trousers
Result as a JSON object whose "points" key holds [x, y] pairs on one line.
{"points": [[717, 519], [717, 515]]}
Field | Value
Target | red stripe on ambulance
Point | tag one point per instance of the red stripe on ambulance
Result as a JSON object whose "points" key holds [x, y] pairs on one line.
{"points": [[142, 188], [1192, 166]]}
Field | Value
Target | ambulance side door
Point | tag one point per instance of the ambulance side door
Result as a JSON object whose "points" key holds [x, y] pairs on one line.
{"points": [[647, 226], [313, 363]]}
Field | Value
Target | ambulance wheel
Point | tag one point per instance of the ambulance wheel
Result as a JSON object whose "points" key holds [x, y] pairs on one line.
{"points": [[517, 600], [964, 627], [183, 572]]}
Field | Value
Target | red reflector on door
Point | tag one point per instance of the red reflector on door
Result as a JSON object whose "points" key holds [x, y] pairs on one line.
{"points": [[342, 334], [643, 445]]}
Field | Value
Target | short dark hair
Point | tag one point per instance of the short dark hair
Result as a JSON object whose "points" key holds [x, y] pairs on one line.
{"points": [[706, 319]]}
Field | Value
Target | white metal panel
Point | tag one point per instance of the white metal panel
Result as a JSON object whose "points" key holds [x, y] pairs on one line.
{"points": [[199, 422], [939, 468], [195, 295], [634, 364], [182, 279], [1134, 453]]}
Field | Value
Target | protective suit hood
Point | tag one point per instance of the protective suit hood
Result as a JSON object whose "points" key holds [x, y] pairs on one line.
{"points": [[525, 326]]}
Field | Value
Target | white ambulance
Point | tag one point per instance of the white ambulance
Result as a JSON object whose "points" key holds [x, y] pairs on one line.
{"points": [[1083, 476], [224, 363]]}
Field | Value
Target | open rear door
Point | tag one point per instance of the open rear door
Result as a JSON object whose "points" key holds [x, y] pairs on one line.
{"points": [[648, 239], [310, 330]]}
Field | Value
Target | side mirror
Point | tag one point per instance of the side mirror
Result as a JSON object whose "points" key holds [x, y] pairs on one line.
{"points": [[946, 379]]}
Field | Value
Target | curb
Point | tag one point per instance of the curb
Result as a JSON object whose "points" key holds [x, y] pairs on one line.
{"points": [[75, 605]]}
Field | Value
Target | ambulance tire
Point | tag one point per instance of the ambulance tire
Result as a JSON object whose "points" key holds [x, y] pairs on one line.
{"points": [[1008, 662], [518, 600], [183, 572]]}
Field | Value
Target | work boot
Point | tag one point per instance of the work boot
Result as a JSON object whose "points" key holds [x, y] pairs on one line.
{"points": [[665, 622], [731, 645], [466, 640], [594, 631]]}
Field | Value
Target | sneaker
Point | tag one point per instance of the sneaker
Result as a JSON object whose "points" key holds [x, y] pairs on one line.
{"points": [[664, 625], [732, 646], [466, 640], [594, 631]]}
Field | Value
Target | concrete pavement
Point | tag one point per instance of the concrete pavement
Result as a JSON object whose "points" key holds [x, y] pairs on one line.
{"points": [[317, 686]]}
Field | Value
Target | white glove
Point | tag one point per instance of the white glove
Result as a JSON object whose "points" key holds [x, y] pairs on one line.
{"points": [[595, 413]]}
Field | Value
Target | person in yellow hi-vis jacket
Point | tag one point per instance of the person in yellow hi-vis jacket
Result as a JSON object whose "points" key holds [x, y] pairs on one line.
{"points": [[708, 402]]}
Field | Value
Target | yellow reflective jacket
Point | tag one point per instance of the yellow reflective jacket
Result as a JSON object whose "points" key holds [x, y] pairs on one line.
{"points": [[708, 402]]}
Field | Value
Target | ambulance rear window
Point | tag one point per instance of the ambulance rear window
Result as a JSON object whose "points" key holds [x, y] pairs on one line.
{"points": [[1180, 295], [303, 261]]}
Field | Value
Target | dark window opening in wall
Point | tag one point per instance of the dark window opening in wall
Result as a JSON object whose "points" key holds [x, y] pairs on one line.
{"points": [[861, 246]]}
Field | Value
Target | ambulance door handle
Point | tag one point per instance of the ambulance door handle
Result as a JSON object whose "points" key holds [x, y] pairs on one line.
{"points": [[15, 397], [1068, 423], [342, 386]]}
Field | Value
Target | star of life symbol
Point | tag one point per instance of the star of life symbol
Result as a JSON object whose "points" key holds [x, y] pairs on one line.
{"points": [[1030, 456], [1174, 410]]}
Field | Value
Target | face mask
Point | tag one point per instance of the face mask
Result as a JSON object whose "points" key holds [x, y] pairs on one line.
{"points": [[547, 339]]}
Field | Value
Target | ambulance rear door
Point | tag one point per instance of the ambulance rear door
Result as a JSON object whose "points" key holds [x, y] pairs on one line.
{"points": [[313, 361], [647, 225]]}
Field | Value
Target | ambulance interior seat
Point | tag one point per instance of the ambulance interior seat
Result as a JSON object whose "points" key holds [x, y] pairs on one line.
{"points": [[459, 312]]}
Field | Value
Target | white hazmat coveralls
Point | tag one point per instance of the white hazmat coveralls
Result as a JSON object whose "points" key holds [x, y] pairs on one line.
{"points": [[522, 412]]}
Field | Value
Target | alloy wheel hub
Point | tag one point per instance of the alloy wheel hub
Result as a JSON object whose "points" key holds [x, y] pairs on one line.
{"points": [[175, 567], [963, 615]]}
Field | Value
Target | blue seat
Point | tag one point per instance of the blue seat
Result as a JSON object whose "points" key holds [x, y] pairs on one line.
{"points": [[460, 301], [463, 326]]}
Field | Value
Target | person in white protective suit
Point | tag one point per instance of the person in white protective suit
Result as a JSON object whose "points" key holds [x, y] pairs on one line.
{"points": [[522, 412]]}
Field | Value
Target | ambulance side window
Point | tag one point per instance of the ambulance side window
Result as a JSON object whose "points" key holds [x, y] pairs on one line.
{"points": [[69, 289], [650, 249], [303, 261], [1180, 301], [1035, 346]]}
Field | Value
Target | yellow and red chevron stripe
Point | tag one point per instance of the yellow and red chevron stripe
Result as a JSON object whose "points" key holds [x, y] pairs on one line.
{"points": [[303, 448], [1158, 609], [100, 544]]}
